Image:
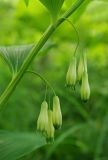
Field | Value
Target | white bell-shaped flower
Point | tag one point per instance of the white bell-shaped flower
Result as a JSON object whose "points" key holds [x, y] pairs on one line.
{"points": [[71, 73], [50, 128], [57, 115], [80, 68], [42, 121], [85, 88]]}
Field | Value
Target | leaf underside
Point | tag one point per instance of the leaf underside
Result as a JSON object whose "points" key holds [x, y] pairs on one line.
{"points": [[14, 56], [16, 145], [54, 7]]}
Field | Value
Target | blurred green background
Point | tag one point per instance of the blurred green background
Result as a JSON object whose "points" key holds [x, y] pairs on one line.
{"points": [[24, 25]]}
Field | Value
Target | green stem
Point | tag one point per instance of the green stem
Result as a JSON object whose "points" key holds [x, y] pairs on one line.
{"points": [[43, 79], [78, 40], [12, 85]]}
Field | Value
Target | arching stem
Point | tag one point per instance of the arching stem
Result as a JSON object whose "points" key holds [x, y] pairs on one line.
{"points": [[43, 79], [78, 40]]}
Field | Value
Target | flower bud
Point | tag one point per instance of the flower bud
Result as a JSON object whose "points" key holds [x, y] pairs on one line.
{"points": [[80, 69], [71, 73], [42, 121], [85, 88], [57, 115], [50, 128]]}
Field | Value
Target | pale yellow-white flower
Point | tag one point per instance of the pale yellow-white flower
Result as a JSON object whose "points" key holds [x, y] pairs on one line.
{"points": [[57, 115], [50, 128], [71, 73], [42, 121], [80, 68], [85, 87]]}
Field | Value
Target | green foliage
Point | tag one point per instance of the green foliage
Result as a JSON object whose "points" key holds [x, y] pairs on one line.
{"points": [[14, 145], [26, 2], [85, 131], [14, 56], [54, 7], [61, 138]]}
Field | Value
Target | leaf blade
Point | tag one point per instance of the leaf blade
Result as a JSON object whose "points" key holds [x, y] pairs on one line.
{"points": [[15, 145], [53, 6], [14, 56]]}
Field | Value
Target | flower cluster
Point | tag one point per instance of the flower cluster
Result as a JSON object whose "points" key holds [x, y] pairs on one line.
{"points": [[79, 73], [49, 120]]}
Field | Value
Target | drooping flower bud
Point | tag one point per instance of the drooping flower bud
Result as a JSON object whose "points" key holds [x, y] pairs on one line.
{"points": [[71, 73], [42, 121], [50, 128], [85, 88], [57, 115], [80, 68]]}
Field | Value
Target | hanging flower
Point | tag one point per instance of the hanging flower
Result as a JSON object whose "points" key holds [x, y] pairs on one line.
{"points": [[80, 68], [42, 121], [71, 73], [85, 88], [57, 115], [50, 128]]}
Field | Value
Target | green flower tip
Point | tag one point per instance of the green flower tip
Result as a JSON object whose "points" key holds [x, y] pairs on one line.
{"points": [[57, 115], [71, 73], [85, 87]]}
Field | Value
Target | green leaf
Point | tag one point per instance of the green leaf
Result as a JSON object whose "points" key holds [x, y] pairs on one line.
{"points": [[16, 145], [26, 2], [14, 56], [81, 10], [54, 7], [61, 138]]}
